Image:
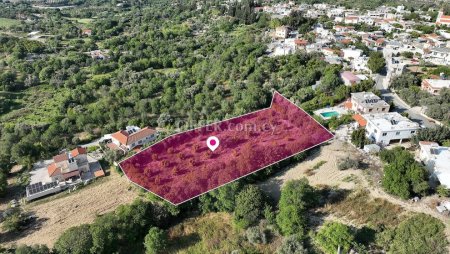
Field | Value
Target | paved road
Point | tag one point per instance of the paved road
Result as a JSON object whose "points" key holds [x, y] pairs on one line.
{"points": [[401, 107]]}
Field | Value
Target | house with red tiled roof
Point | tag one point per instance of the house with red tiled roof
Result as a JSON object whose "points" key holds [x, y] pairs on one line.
{"points": [[443, 19], [132, 137], [69, 165]]}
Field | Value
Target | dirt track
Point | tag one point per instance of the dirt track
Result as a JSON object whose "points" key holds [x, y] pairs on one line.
{"points": [[59, 214]]}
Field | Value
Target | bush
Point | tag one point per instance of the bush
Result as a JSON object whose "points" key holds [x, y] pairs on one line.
{"points": [[359, 138], [75, 240], [256, 235], [250, 203], [296, 197], [403, 176], [155, 241], [443, 191], [13, 219], [292, 245], [420, 234], [35, 249], [334, 235], [348, 163]]}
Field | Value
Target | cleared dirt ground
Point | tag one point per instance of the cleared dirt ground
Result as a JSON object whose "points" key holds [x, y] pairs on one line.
{"points": [[62, 211]]}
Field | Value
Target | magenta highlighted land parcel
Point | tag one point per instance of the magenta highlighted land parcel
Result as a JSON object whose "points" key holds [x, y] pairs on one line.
{"points": [[182, 166]]}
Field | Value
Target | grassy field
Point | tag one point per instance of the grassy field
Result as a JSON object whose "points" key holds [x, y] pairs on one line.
{"points": [[214, 233], [35, 106], [5, 23], [82, 21]]}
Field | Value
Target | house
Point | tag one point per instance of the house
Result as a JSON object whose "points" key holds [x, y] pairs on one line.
{"points": [[351, 20], [87, 32], [351, 53], [434, 86], [349, 78], [132, 137], [383, 128], [442, 19], [69, 165], [300, 44], [439, 56], [367, 102], [282, 32], [437, 160], [360, 64]]}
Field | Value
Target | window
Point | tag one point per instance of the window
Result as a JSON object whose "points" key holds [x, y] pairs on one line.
{"points": [[382, 109], [375, 130], [384, 134], [397, 133], [412, 132]]}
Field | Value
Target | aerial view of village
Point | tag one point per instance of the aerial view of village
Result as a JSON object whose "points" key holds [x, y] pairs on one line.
{"points": [[225, 126]]}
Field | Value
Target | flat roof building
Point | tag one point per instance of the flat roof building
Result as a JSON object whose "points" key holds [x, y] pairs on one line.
{"points": [[383, 128], [437, 161], [367, 102], [434, 86]]}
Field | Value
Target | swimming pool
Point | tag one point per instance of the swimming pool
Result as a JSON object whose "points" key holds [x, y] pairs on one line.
{"points": [[329, 114]]}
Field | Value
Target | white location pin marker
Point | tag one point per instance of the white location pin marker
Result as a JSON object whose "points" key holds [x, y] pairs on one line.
{"points": [[212, 143]]}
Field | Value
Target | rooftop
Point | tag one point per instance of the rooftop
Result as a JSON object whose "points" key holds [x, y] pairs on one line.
{"points": [[390, 121], [438, 83], [368, 99], [440, 155]]}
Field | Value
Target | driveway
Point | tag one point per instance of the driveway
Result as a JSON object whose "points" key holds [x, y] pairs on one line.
{"points": [[401, 107]]}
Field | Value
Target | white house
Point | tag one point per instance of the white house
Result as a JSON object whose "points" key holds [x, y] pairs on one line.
{"points": [[359, 64], [437, 160], [350, 53], [439, 56], [383, 128], [434, 86], [132, 137], [367, 102], [349, 78], [282, 32]]}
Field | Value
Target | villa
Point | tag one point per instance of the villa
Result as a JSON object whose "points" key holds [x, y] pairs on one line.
{"points": [[132, 137], [434, 86], [437, 160], [367, 102], [349, 78], [384, 128]]}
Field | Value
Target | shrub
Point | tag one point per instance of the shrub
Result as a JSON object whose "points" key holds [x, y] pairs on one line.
{"points": [[292, 245], [75, 240], [334, 235], [249, 206], [155, 241], [443, 191], [348, 163], [256, 235]]}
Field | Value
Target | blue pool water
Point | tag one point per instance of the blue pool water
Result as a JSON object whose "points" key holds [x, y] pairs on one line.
{"points": [[329, 114]]}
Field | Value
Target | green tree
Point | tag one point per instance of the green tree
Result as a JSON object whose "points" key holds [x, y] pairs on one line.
{"points": [[296, 197], [292, 245], [3, 183], [250, 204], [155, 241], [420, 234], [443, 191], [34, 249], [75, 240], [333, 235], [358, 138], [376, 62], [403, 176]]}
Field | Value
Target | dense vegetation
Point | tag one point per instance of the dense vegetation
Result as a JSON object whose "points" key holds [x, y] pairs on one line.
{"points": [[435, 106]]}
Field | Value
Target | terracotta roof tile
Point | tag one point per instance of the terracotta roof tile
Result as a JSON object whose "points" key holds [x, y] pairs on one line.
{"points": [[60, 157], [126, 139], [360, 120], [77, 151], [52, 170]]}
